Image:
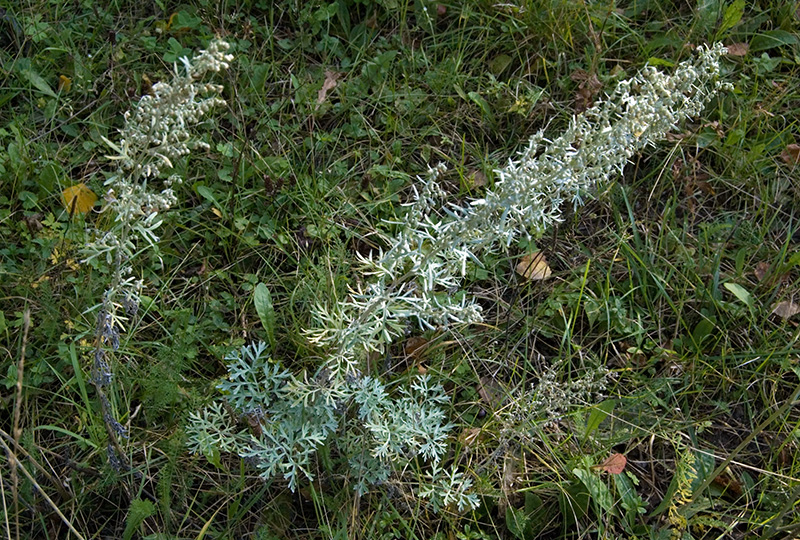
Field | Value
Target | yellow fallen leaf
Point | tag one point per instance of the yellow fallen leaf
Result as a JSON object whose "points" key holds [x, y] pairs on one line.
{"points": [[78, 199], [217, 212], [64, 83], [533, 266]]}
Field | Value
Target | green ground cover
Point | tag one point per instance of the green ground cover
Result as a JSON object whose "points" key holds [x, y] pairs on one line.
{"points": [[664, 330]]}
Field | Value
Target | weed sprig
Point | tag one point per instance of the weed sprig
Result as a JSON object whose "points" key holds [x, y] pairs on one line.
{"points": [[156, 133], [419, 278]]}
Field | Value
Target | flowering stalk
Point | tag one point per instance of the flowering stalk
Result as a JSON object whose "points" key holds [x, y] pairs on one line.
{"points": [[156, 133], [417, 276], [418, 279]]}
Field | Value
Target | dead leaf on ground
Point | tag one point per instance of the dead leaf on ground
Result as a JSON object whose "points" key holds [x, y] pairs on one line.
{"points": [[491, 392], [677, 137], [761, 270], [737, 49], [614, 464], [64, 83], [588, 87], [471, 436], [726, 481], [704, 187], [508, 480], [78, 199], [534, 267], [415, 347], [786, 309], [791, 154], [476, 179], [329, 84], [34, 223]]}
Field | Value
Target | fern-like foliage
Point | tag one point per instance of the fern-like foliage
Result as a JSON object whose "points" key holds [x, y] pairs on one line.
{"points": [[384, 434]]}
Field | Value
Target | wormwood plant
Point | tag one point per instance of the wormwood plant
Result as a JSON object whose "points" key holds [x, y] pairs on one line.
{"points": [[156, 133], [419, 278]]}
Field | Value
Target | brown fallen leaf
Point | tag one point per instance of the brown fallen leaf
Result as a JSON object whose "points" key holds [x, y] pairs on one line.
{"points": [[738, 49], [471, 436], [726, 481], [508, 480], [533, 266], [329, 84], [415, 346], [588, 87], [491, 392], [614, 464], [34, 223], [786, 309], [476, 179], [761, 270], [704, 187], [791, 154]]}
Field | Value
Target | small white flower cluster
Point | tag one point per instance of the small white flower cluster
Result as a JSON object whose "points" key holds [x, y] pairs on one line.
{"points": [[157, 131], [549, 399]]}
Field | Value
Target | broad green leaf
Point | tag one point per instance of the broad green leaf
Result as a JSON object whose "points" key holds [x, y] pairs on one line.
{"points": [[212, 454], [516, 520], [208, 194], [732, 16], [598, 489], [37, 81], [653, 61], [499, 63], [631, 501], [480, 102], [741, 293], [276, 166], [794, 260], [263, 302], [598, 414], [707, 14], [771, 39], [701, 331]]}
